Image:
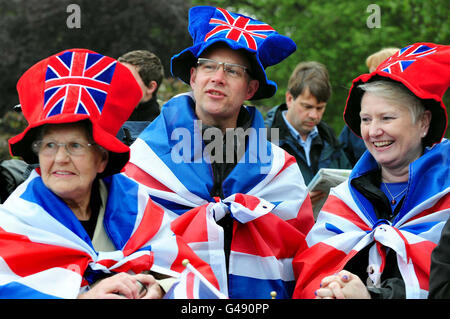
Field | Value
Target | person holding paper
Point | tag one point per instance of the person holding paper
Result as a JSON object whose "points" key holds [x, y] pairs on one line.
{"points": [[302, 133], [375, 234]]}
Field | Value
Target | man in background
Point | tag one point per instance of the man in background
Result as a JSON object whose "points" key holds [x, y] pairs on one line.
{"points": [[149, 73], [302, 133]]}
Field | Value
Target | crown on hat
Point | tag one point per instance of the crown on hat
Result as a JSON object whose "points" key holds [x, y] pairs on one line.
{"points": [[76, 85], [423, 68], [209, 25]]}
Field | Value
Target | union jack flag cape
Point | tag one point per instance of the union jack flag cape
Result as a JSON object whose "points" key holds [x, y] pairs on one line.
{"points": [[46, 253], [266, 197], [347, 223]]}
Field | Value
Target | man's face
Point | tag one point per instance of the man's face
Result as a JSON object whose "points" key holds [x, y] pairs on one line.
{"points": [[218, 95], [147, 91], [304, 112]]}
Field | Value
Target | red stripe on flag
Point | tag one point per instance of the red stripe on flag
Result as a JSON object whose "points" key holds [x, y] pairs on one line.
{"points": [[190, 280], [238, 28], [305, 218], [315, 263], [78, 81], [261, 237], [137, 265], [142, 177], [226, 15], [335, 206], [148, 227], [89, 103], [442, 204], [59, 67], [421, 256], [186, 252], [99, 67], [288, 161], [250, 202], [192, 225], [25, 257], [72, 99], [78, 63], [55, 98], [216, 30], [260, 28]]}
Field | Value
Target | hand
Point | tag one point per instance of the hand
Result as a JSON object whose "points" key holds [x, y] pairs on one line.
{"points": [[343, 285], [153, 289], [125, 286], [316, 196]]}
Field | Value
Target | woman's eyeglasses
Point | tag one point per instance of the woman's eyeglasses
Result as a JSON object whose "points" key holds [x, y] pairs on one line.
{"points": [[50, 148]]}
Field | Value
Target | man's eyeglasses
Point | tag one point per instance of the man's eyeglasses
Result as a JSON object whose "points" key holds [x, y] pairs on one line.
{"points": [[50, 148], [232, 70]]}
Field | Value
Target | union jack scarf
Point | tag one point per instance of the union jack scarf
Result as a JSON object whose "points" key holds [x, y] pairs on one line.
{"points": [[266, 197], [46, 253], [347, 223]]}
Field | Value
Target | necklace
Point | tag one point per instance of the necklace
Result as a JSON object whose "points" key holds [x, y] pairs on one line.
{"points": [[393, 201]]}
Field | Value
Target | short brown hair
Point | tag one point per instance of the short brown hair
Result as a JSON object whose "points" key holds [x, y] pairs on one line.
{"points": [[149, 65], [312, 75]]}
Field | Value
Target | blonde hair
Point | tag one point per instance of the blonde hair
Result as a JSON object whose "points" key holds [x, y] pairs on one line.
{"points": [[398, 94], [376, 58]]}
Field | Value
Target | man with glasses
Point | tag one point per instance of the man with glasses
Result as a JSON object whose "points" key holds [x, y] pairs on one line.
{"points": [[244, 213]]}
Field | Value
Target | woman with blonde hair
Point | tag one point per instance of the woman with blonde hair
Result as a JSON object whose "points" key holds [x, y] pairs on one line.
{"points": [[374, 236]]}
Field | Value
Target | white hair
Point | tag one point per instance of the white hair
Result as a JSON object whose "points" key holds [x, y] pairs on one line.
{"points": [[396, 93]]}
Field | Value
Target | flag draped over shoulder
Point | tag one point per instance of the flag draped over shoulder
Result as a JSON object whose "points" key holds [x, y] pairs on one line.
{"points": [[347, 223], [264, 193], [46, 253]]}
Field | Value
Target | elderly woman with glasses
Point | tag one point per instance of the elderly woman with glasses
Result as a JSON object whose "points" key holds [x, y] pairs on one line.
{"points": [[374, 236], [75, 227]]}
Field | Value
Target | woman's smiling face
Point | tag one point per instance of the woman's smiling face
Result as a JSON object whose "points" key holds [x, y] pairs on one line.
{"points": [[389, 132], [69, 176]]}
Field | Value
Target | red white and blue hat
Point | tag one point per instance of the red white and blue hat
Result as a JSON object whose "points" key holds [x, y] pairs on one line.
{"points": [[76, 85], [209, 25], [423, 68]]}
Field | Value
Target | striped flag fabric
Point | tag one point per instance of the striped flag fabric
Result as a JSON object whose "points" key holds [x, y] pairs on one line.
{"points": [[265, 194], [191, 284], [347, 223], [46, 253]]}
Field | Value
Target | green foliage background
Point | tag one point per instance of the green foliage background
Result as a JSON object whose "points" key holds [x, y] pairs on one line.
{"points": [[336, 34]]}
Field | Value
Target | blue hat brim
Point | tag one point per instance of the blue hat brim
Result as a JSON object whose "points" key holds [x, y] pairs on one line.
{"points": [[182, 63]]}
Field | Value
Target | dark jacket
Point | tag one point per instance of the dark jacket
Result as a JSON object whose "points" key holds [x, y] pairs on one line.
{"points": [[141, 117], [440, 267], [352, 145], [326, 151], [12, 173]]}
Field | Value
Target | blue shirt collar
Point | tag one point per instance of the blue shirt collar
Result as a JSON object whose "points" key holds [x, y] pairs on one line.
{"points": [[314, 132]]}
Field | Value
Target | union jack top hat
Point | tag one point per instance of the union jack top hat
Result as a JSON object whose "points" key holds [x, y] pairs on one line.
{"points": [[424, 69], [263, 45], [72, 86]]}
